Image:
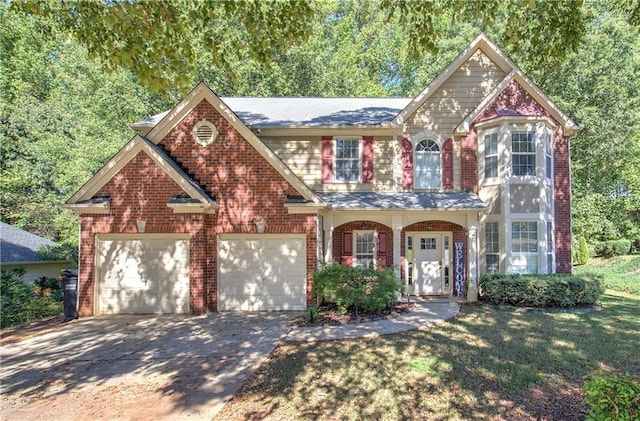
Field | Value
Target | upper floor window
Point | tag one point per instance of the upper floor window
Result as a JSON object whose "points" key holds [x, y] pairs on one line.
{"points": [[347, 160], [523, 150], [427, 164], [491, 155], [548, 155]]}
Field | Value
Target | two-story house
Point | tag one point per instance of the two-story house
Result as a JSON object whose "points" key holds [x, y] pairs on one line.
{"points": [[232, 203]]}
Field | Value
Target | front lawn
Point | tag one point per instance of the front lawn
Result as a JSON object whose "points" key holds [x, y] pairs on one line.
{"points": [[621, 273], [485, 364]]}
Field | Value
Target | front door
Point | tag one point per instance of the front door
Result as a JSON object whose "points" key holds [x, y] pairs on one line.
{"points": [[428, 264]]}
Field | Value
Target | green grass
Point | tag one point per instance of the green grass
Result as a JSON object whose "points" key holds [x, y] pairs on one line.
{"points": [[620, 273], [486, 364]]}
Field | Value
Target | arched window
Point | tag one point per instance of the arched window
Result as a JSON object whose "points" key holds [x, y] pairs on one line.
{"points": [[427, 165]]}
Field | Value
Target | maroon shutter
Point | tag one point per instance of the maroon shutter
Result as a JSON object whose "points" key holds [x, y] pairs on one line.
{"points": [[407, 164], [347, 248], [383, 255], [447, 164], [327, 159], [367, 159]]}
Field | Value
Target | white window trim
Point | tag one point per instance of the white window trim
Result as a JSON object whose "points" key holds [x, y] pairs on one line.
{"points": [[355, 248], [499, 253], [500, 132], [540, 254], [415, 140], [335, 158]]}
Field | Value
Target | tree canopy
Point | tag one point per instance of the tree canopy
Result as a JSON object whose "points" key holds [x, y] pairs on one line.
{"points": [[162, 40]]}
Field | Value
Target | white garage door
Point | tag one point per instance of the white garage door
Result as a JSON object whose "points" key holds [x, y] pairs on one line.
{"points": [[142, 274], [267, 272]]}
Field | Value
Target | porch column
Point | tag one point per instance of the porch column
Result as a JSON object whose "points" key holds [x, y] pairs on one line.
{"points": [[396, 225], [327, 223], [472, 276]]}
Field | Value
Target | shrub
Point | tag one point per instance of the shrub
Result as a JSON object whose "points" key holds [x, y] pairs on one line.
{"points": [[613, 248], [48, 287], [364, 289], [541, 290], [581, 252], [612, 397], [19, 303]]}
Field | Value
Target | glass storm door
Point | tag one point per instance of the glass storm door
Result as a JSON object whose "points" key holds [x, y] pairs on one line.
{"points": [[428, 264]]}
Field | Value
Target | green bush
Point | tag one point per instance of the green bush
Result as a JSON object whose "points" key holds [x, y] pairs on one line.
{"points": [[612, 397], [358, 288], [541, 290], [613, 248], [19, 303], [581, 252]]}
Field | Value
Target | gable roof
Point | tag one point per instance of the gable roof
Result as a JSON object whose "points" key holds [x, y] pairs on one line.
{"points": [[489, 48], [536, 93], [85, 196], [20, 246], [202, 93], [310, 112], [292, 112]]}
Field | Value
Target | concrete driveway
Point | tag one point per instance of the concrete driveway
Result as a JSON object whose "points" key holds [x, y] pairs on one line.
{"points": [[136, 367]]}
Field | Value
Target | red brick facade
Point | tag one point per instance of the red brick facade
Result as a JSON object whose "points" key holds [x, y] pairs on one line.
{"points": [[562, 201], [245, 185]]}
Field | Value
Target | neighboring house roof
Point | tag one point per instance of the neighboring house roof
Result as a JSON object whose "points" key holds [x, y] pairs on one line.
{"points": [[405, 200], [18, 246]]}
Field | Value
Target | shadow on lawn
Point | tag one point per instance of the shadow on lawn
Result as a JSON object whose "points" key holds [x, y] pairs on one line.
{"points": [[484, 364]]}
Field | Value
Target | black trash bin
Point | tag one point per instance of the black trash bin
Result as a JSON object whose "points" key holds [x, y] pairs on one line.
{"points": [[69, 285]]}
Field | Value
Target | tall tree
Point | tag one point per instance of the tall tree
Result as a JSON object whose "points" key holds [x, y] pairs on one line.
{"points": [[598, 86], [62, 118]]}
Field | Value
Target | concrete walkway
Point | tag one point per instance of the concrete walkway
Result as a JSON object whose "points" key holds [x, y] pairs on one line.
{"points": [[425, 313]]}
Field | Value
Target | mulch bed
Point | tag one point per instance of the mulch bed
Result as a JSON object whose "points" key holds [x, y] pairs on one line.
{"points": [[329, 315]]}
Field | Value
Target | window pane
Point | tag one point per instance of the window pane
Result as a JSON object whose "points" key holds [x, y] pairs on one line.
{"points": [[523, 148], [491, 167], [427, 167], [364, 249], [492, 247], [347, 160], [493, 263], [491, 144]]}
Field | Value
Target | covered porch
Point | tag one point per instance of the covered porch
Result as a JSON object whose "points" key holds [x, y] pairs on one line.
{"points": [[430, 239]]}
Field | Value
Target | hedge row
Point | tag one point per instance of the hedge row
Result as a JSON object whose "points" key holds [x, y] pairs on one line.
{"points": [[541, 290], [612, 248]]}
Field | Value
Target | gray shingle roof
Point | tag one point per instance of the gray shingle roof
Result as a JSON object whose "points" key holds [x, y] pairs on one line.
{"points": [[408, 200], [19, 246], [309, 112]]}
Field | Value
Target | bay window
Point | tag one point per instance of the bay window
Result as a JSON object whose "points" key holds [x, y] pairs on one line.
{"points": [[524, 247]]}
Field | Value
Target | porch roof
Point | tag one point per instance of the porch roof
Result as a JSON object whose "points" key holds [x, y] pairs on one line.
{"points": [[404, 201]]}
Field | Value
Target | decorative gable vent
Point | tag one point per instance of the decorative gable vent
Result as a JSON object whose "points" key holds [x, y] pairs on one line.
{"points": [[204, 133]]}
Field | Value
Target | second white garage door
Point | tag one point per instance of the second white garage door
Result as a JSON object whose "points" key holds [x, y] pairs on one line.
{"points": [[265, 272], [142, 274]]}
